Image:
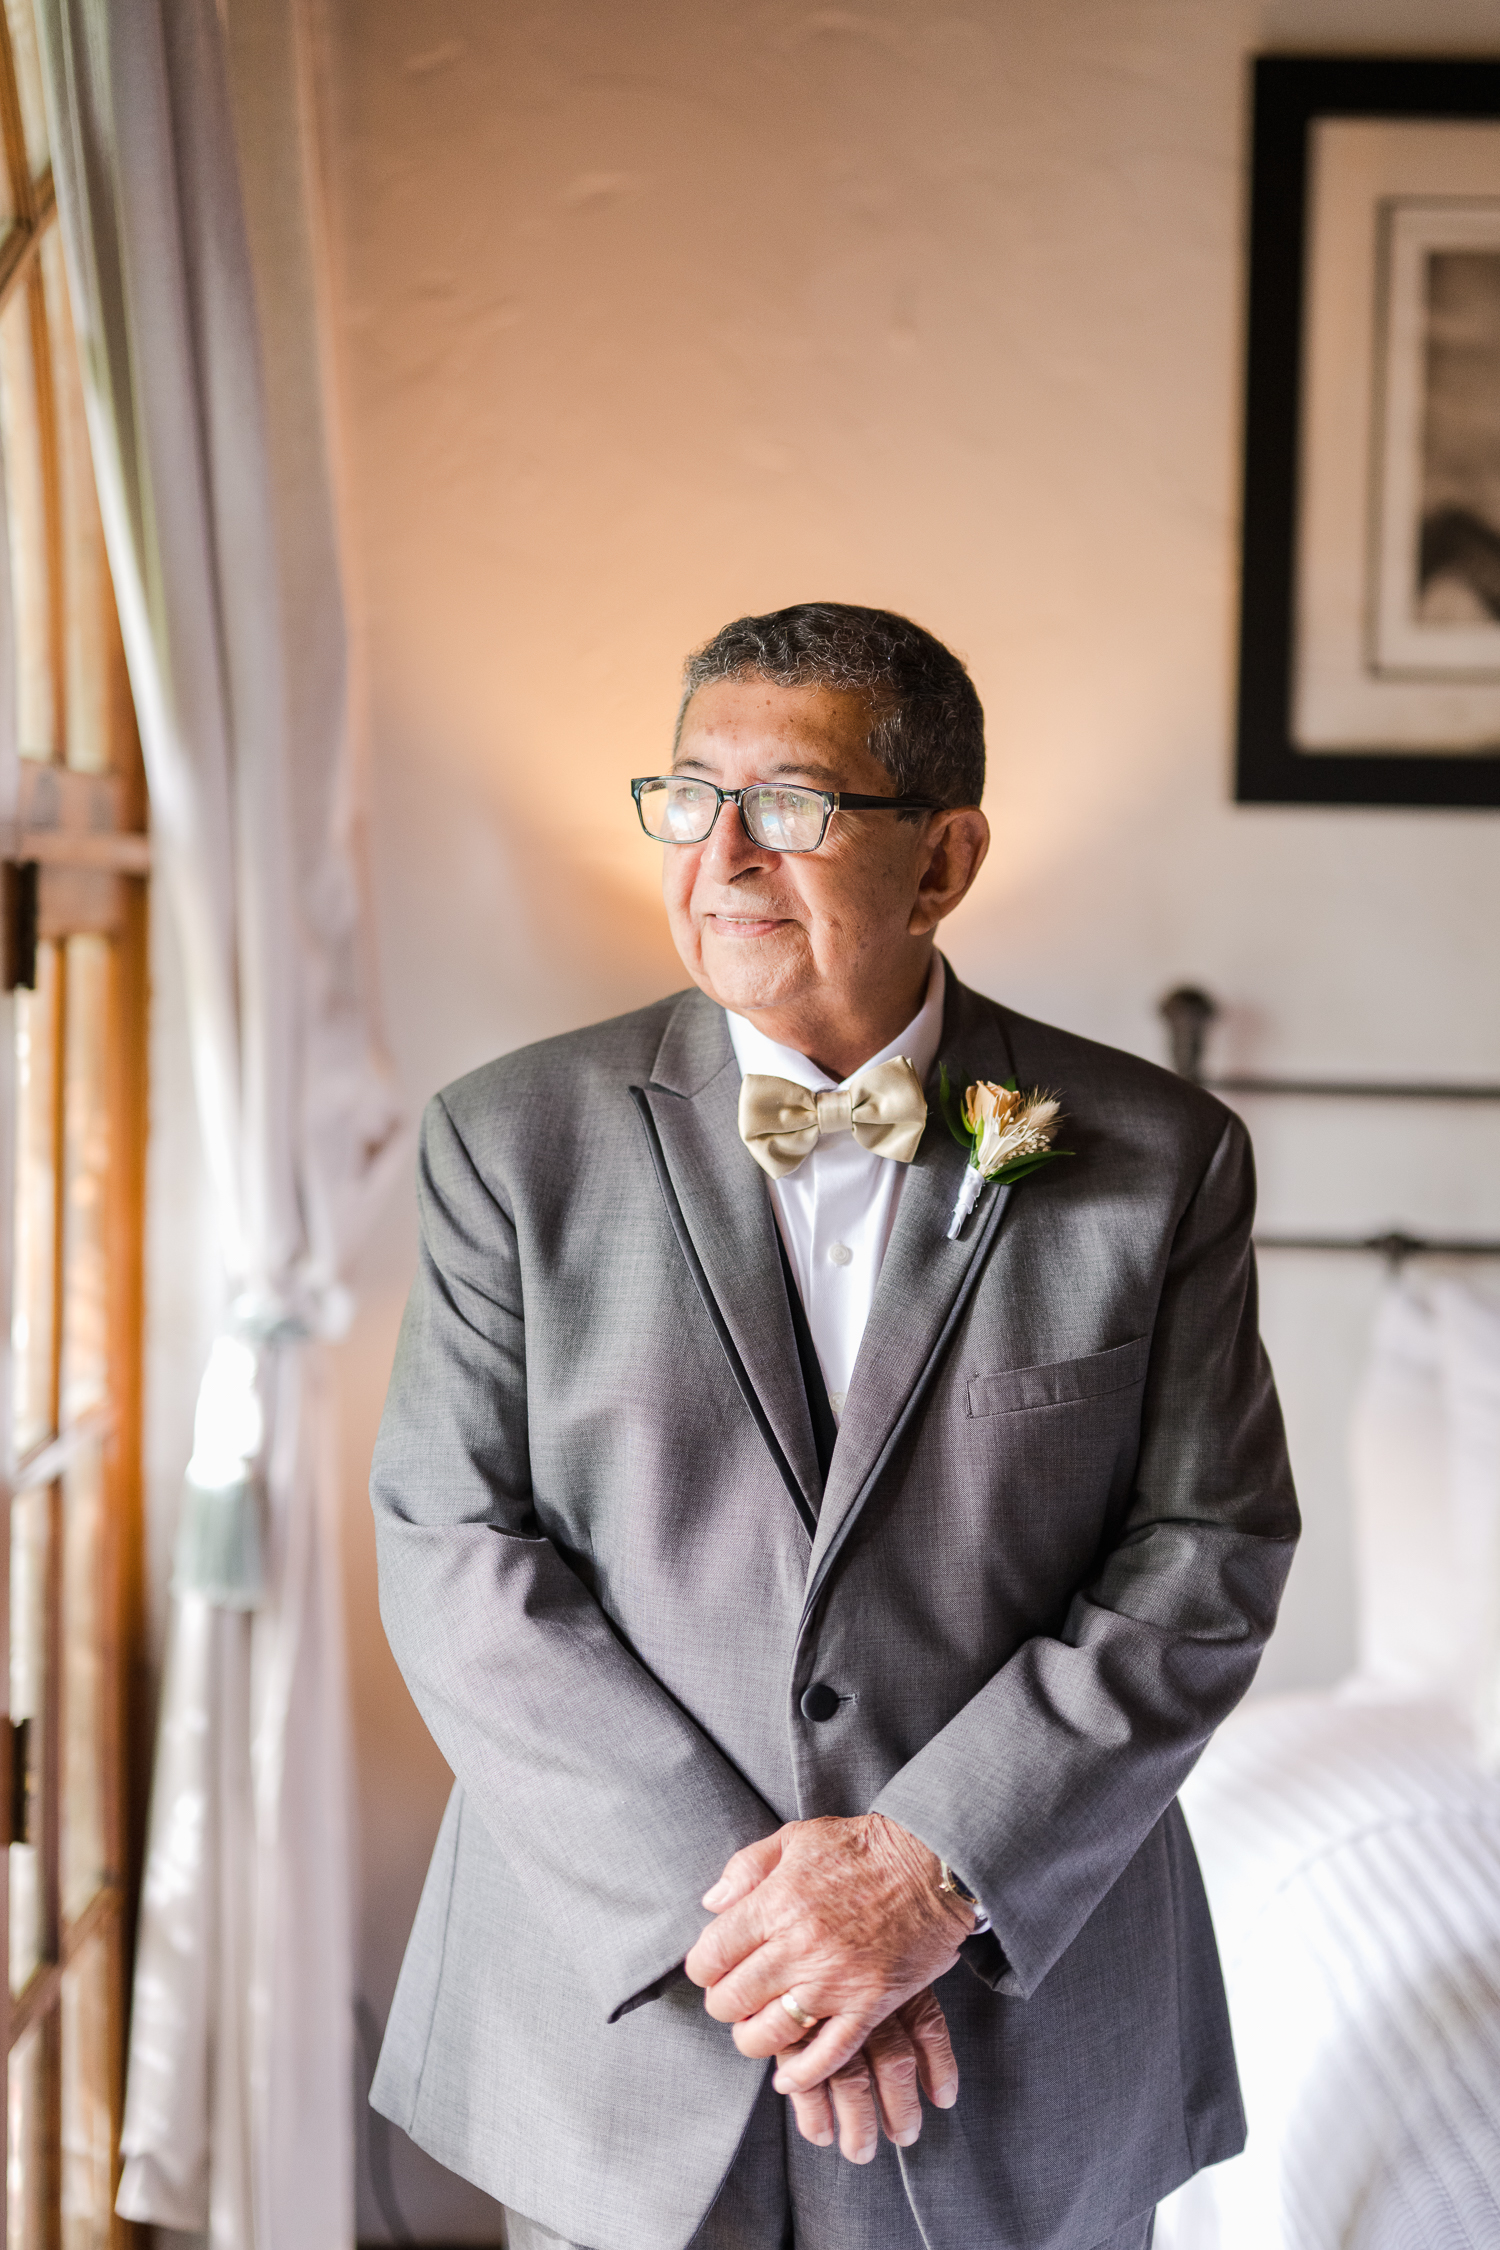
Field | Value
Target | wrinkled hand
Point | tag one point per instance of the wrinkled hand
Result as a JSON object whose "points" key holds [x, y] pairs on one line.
{"points": [[881, 2089], [845, 1915]]}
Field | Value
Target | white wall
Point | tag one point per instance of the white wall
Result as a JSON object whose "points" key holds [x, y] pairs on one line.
{"points": [[649, 315]]}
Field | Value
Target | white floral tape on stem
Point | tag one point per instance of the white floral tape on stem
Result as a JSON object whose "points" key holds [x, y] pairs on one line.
{"points": [[968, 1196]]}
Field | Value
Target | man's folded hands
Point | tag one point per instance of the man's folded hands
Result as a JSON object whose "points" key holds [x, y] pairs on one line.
{"points": [[845, 1918]]}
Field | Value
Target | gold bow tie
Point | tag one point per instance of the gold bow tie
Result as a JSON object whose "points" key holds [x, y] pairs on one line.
{"points": [[883, 1107]]}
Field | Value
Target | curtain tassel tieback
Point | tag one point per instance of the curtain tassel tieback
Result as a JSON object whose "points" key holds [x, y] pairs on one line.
{"points": [[220, 1550]]}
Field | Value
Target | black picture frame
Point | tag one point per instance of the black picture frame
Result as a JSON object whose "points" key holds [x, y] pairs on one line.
{"points": [[1290, 92]]}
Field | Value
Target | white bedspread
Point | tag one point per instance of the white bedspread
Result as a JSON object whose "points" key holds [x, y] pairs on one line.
{"points": [[1352, 1857]]}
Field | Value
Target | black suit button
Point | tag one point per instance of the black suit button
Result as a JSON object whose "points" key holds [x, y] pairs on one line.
{"points": [[820, 1701]]}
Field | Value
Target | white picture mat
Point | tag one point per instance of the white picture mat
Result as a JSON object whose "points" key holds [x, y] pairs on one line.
{"points": [[1339, 701], [1402, 643]]}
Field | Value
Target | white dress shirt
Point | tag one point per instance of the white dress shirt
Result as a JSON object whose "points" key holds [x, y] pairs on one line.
{"points": [[837, 1209]]}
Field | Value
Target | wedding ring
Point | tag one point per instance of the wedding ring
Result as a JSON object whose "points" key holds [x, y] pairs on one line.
{"points": [[799, 2016]]}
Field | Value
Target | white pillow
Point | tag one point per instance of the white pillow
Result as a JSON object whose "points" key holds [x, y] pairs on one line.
{"points": [[1406, 1551], [1468, 1328]]}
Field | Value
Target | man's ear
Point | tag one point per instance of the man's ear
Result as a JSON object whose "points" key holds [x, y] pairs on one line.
{"points": [[953, 851]]}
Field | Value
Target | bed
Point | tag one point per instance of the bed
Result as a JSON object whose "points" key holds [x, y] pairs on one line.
{"points": [[1352, 1856], [1350, 1842]]}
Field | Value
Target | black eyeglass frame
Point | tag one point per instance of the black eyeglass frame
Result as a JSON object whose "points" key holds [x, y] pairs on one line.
{"points": [[834, 800]]}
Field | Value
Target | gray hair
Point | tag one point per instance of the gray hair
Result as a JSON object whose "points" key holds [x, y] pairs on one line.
{"points": [[926, 722]]}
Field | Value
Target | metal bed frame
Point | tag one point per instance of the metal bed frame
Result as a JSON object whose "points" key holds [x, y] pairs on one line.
{"points": [[1189, 1011]]}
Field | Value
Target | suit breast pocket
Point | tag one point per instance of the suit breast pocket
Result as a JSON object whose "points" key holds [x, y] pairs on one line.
{"points": [[1022, 1390]]}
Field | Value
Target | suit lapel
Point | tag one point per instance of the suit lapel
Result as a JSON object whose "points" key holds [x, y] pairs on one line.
{"points": [[924, 1283], [722, 1195]]}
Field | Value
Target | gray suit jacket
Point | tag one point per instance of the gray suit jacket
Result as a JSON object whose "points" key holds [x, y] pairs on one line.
{"points": [[1055, 1529]]}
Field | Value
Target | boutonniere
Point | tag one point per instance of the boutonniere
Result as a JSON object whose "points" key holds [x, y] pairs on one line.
{"points": [[1006, 1133]]}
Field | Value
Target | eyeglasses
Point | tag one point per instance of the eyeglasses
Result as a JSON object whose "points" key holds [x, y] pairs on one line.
{"points": [[678, 808]]}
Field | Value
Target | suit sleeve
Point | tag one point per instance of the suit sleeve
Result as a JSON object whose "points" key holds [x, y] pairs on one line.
{"points": [[609, 1803], [1044, 1786]]}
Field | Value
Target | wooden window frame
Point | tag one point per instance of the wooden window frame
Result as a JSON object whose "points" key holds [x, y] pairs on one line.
{"points": [[76, 859]]}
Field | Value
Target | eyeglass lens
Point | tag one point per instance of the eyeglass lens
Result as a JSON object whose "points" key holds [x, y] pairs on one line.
{"points": [[679, 810]]}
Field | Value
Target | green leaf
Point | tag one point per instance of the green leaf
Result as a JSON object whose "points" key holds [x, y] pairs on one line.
{"points": [[952, 1109], [1010, 1085], [1008, 1174]]}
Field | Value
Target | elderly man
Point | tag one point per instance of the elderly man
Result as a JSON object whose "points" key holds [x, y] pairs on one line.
{"points": [[821, 1557]]}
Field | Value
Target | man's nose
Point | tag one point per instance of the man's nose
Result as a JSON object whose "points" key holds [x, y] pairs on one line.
{"points": [[729, 850]]}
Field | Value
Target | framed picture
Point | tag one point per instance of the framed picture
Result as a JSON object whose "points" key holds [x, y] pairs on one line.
{"points": [[1370, 606]]}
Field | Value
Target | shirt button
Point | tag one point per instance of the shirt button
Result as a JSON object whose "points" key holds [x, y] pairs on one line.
{"points": [[840, 1254], [820, 1701]]}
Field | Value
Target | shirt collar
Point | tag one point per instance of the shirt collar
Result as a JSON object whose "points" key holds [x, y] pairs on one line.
{"points": [[919, 1042]]}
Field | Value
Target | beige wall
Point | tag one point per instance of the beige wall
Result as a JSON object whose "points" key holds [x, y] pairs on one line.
{"points": [[647, 314]]}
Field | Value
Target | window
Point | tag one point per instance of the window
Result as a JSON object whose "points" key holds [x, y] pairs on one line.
{"points": [[72, 1131]]}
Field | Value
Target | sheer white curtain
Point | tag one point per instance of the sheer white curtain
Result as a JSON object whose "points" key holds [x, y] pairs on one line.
{"points": [[238, 2107]]}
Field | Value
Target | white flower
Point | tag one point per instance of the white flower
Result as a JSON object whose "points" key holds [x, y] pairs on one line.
{"points": [[1007, 1125]]}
